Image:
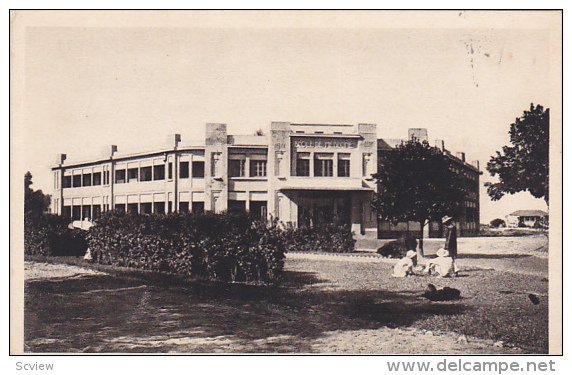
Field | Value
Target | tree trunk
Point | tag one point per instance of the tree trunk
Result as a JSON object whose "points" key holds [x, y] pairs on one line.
{"points": [[420, 253]]}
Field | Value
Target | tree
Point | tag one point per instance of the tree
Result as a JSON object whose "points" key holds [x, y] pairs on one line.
{"points": [[524, 165], [497, 223], [35, 201], [416, 183]]}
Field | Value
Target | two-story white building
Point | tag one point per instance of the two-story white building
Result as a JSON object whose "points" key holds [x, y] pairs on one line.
{"points": [[301, 174]]}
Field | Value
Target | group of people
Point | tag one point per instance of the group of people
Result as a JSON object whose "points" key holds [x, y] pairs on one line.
{"points": [[443, 265]]}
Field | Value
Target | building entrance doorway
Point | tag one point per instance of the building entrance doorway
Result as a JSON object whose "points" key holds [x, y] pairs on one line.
{"points": [[321, 208]]}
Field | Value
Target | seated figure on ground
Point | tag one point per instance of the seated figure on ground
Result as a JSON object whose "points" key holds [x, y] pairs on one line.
{"points": [[404, 267], [443, 265]]}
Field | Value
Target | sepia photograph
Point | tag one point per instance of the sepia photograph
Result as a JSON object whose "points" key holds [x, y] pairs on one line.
{"points": [[286, 182]]}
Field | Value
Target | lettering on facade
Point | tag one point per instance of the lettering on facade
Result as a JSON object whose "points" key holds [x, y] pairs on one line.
{"points": [[325, 143]]}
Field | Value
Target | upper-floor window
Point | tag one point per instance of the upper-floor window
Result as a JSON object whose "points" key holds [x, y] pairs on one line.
{"points": [[97, 178], [86, 179], [120, 176], [184, 169], [303, 164], [344, 165], [76, 180], [198, 169], [159, 172], [133, 174], [145, 174], [236, 167], [323, 165], [67, 182], [258, 168], [170, 171]]}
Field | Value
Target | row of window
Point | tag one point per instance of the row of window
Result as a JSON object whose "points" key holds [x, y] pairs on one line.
{"points": [[323, 165], [94, 211], [237, 168], [257, 208], [86, 179], [124, 175]]}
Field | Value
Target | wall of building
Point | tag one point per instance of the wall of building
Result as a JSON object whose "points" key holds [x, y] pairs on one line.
{"points": [[299, 173]]}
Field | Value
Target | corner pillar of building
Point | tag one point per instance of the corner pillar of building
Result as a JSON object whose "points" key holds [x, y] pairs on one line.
{"points": [[279, 166], [216, 175]]}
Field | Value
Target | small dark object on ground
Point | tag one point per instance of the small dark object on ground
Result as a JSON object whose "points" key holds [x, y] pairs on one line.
{"points": [[398, 248], [445, 294], [534, 299]]}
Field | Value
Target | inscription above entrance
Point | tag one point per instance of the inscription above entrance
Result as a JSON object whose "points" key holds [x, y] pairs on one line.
{"points": [[325, 143]]}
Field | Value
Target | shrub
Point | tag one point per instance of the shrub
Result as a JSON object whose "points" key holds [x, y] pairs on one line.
{"points": [[49, 235], [497, 223], [326, 238], [398, 248], [227, 247]]}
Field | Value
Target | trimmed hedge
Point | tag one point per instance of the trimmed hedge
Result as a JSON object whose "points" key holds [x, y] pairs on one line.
{"points": [[227, 247], [329, 238], [49, 235]]}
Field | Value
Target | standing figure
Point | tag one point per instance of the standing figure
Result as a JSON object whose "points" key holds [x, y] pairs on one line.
{"points": [[450, 236]]}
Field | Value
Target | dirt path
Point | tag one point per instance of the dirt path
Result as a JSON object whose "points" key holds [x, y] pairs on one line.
{"points": [[337, 310], [46, 271]]}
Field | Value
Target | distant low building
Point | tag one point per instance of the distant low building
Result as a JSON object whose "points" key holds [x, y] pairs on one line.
{"points": [[527, 218]]}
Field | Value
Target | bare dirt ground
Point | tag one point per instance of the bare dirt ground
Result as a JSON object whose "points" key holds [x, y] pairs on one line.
{"points": [[45, 271], [321, 306], [525, 255]]}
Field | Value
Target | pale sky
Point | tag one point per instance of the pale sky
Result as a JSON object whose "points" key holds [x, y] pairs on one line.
{"points": [[89, 87]]}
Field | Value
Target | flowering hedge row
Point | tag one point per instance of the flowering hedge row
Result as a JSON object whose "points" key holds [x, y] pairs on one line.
{"points": [[49, 235], [226, 247]]}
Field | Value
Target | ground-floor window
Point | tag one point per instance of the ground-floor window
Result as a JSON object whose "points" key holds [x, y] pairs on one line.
{"points": [[258, 210], [183, 206], [159, 207], [96, 211], [133, 208], [323, 208], [236, 206], [198, 207], [86, 212], [76, 212], [145, 208], [120, 207]]}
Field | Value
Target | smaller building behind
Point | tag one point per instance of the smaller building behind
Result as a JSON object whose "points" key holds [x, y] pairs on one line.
{"points": [[527, 218]]}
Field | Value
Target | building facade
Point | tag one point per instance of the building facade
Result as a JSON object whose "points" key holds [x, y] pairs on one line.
{"points": [[301, 174], [527, 219]]}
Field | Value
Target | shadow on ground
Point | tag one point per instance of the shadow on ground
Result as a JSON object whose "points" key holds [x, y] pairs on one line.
{"points": [[493, 256], [123, 314]]}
